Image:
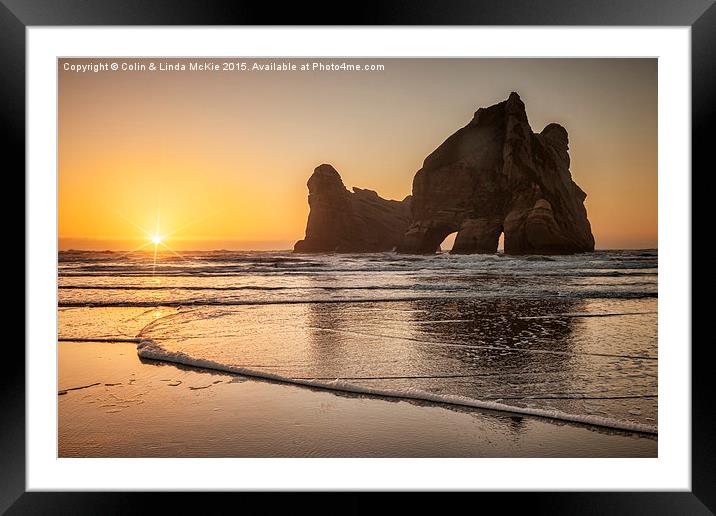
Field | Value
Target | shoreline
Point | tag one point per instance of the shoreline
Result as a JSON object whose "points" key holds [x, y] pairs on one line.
{"points": [[147, 349], [113, 403]]}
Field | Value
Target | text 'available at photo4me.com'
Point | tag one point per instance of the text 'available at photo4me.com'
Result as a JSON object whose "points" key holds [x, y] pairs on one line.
{"points": [[221, 66]]}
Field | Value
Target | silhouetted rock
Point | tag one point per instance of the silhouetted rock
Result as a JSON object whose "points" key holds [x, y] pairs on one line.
{"points": [[344, 221], [495, 175]]}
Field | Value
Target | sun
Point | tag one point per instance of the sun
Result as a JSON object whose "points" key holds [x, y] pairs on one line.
{"points": [[156, 239]]}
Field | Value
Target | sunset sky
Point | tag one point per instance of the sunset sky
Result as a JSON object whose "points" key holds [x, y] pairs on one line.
{"points": [[221, 159]]}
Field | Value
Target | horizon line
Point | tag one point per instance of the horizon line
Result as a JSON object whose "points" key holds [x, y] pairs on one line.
{"points": [[151, 251]]}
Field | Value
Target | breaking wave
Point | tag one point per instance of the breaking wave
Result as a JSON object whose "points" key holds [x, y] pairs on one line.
{"points": [[222, 302]]}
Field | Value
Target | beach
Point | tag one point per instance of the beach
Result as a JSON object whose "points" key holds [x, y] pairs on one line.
{"points": [[134, 408], [251, 354]]}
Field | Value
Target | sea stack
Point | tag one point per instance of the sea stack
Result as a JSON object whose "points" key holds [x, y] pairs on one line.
{"points": [[496, 176], [350, 222]]}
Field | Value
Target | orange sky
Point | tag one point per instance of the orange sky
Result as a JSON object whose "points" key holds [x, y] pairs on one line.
{"points": [[222, 158]]}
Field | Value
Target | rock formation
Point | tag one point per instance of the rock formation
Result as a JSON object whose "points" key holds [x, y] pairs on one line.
{"points": [[344, 221], [495, 175]]}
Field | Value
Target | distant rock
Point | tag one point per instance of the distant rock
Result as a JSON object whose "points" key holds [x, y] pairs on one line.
{"points": [[495, 175], [350, 222]]}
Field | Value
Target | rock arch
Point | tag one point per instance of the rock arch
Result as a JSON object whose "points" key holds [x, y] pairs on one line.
{"points": [[495, 175]]}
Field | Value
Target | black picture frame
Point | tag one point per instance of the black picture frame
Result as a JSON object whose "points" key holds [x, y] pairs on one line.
{"points": [[17, 15]]}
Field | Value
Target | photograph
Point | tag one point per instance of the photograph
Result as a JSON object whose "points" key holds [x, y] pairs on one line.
{"points": [[357, 257]]}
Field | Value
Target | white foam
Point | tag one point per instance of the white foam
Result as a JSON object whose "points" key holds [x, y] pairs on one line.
{"points": [[96, 339], [148, 348]]}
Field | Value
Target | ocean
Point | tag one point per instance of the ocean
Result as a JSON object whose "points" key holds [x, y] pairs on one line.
{"points": [[566, 338]]}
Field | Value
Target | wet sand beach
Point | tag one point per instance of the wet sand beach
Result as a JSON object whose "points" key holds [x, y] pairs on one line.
{"points": [[112, 404]]}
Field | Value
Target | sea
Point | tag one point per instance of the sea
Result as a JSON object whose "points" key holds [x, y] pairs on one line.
{"points": [[566, 338]]}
